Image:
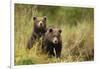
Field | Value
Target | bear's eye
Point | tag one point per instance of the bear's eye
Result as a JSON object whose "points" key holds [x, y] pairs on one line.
{"points": [[50, 30], [60, 31]]}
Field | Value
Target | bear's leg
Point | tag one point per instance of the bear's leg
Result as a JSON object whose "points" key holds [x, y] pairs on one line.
{"points": [[30, 42], [44, 47], [50, 52], [58, 51]]}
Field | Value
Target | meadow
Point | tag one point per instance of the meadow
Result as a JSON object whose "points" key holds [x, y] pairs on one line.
{"points": [[77, 24]]}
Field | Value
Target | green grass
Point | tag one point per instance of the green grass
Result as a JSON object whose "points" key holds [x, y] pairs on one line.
{"points": [[77, 34]]}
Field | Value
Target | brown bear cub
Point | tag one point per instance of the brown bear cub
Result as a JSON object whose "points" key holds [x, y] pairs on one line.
{"points": [[39, 28], [52, 42]]}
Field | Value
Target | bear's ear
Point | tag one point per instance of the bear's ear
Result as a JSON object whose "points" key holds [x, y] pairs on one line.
{"points": [[50, 30], [44, 18], [34, 18], [60, 31]]}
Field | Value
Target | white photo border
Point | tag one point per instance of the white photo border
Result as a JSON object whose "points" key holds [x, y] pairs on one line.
{"points": [[54, 3]]}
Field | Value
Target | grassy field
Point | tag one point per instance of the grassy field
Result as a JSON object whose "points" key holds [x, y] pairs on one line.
{"points": [[77, 26]]}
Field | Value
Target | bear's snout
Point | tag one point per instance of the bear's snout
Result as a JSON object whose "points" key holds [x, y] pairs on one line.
{"points": [[55, 40], [40, 24]]}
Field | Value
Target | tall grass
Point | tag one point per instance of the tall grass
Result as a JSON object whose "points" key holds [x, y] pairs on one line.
{"points": [[77, 33]]}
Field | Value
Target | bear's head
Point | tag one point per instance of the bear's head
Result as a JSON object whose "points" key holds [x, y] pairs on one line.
{"points": [[39, 22], [54, 35]]}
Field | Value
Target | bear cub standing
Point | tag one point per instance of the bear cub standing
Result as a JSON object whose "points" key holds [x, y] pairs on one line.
{"points": [[39, 28], [52, 42]]}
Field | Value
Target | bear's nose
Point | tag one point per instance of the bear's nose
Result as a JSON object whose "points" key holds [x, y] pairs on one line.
{"points": [[55, 40], [40, 24]]}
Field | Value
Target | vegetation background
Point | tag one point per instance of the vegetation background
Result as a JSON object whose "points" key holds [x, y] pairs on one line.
{"points": [[77, 26]]}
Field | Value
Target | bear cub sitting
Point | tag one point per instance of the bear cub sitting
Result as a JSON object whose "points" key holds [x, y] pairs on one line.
{"points": [[52, 42], [39, 28]]}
